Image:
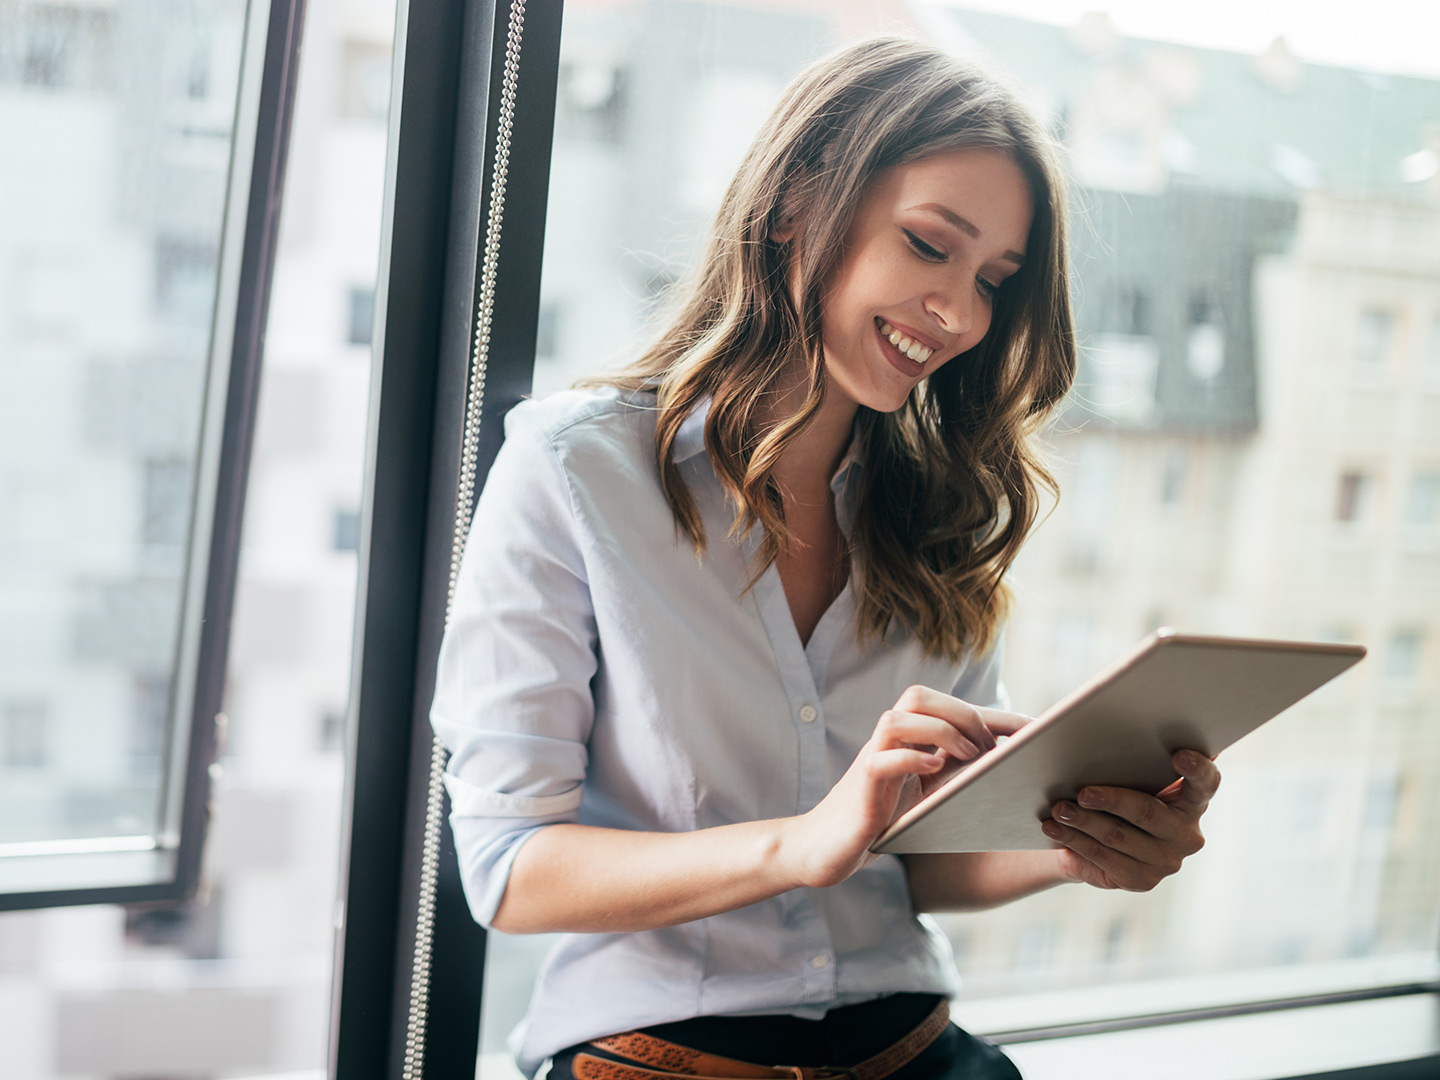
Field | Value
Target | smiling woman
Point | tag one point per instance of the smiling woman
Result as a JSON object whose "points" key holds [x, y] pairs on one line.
{"points": [[647, 727]]}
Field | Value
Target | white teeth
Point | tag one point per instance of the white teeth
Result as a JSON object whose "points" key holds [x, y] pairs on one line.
{"points": [[911, 348]]}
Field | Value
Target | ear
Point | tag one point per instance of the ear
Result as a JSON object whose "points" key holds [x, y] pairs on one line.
{"points": [[786, 226], [784, 232]]}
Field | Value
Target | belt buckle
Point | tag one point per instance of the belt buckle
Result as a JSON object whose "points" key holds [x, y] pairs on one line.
{"points": [[829, 1072]]}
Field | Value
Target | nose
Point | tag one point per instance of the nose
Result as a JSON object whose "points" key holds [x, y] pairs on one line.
{"points": [[952, 308]]}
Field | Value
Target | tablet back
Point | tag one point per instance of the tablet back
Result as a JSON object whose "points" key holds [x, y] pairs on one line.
{"points": [[1174, 692]]}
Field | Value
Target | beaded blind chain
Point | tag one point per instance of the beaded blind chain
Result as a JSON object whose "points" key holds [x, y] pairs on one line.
{"points": [[474, 405]]}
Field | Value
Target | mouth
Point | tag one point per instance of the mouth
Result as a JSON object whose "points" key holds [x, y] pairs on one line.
{"points": [[903, 350], [907, 346]]}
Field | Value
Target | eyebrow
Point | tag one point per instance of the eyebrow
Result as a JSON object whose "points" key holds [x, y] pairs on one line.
{"points": [[967, 227]]}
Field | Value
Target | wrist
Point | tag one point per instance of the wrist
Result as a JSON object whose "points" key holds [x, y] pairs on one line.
{"points": [[783, 853]]}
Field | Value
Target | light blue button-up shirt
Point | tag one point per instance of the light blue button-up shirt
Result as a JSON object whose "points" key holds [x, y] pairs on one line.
{"points": [[594, 671]]}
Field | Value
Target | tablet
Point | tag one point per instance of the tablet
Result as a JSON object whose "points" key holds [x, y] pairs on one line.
{"points": [[1172, 692]]}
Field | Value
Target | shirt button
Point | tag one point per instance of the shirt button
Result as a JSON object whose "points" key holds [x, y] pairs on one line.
{"points": [[819, 962], [808, 714]]}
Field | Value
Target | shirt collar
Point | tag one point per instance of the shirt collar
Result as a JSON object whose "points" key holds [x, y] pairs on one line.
{"points": [[690, 440]]}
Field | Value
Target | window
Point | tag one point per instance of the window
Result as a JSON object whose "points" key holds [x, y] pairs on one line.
{"points": [[1403, 653], [1430, 361], [1205, 339], [129, 270], [1351, 497], [362, 315], [166, 521], [1422, 507], [1122, 361], [1374, 331], [365, 80], [346, 533], [1172, 479], [26, 735], [547, 333]]}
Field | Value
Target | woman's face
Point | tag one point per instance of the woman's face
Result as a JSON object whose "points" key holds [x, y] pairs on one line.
{"points": [[931, 244]]}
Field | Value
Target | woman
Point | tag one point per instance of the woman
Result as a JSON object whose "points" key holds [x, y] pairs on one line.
{"points": [[722, 616]]}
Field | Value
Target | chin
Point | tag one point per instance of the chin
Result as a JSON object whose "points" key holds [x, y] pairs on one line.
{"points": [[889, 399]]}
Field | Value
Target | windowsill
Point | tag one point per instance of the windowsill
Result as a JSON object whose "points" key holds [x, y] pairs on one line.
{"points": [[1301, 1042], [1017, 1016], [1136, 1028]]}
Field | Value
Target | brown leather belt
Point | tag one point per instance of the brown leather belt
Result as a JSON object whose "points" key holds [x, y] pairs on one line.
{"points": [[661, 1060]]}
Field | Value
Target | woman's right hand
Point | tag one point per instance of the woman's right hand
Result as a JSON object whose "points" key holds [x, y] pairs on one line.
{"points": [[903, 761]]}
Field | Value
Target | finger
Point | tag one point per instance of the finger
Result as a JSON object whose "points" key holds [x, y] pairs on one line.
{"points": [[974, 721], [1200, 779], [900, 763], [1003, 723], [1112, 832], [917, 729], [1148, 813], [1119, 868]]}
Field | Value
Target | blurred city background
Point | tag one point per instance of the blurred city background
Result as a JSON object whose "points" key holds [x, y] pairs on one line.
{"points": [[1253, 447]]}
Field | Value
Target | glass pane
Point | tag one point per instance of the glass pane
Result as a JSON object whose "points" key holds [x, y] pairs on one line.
{"points": [[237, 982], [1246, 355], [117, 122]]}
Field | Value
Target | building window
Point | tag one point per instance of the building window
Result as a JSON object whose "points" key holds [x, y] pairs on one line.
{"points": [[185, 280], [49, 46], [346, 532], [547, 332], [166, 517], [150, 721], [1128, 311], [589, 100], [331, 736], [1422, 508], [1374, 333], [1172, 477], [1430, 369], [365, 80], [24, 735], [1402, 657], [1351, 497], [1205, 339], [362, 315]]}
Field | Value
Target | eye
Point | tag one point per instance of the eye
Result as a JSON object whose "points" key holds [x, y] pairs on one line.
{"points": [[987, 288], [921, 248]]}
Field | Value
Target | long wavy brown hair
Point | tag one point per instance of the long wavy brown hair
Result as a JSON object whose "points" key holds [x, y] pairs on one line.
{"points": [[951, 479]]}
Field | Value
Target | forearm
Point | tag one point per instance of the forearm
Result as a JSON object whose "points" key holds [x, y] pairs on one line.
{"points": [[583, 879], [975, 880]]}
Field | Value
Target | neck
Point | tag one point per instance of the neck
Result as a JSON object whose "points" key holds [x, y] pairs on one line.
{"points": [[804, 470]]}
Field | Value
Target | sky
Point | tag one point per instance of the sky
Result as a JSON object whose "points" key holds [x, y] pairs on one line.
{"points": [[1401, 37]]}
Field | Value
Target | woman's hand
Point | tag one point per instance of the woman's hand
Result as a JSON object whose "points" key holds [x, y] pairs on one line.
{"points": [[904, 760], [1118, 838]]}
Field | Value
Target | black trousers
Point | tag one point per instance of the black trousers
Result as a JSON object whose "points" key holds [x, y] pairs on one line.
{"points": [[844, 1037]]}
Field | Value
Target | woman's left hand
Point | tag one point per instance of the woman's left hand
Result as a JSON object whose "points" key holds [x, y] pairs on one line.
{"points": [[1119, 838]]}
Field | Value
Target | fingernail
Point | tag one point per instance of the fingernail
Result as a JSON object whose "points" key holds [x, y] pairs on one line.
{"points": [[1050, 829], [1188, 760], [1090, 798], [1064, 811]]}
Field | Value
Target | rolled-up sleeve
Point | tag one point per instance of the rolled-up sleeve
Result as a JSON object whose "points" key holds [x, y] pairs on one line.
{"points": [[512, 690]]}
